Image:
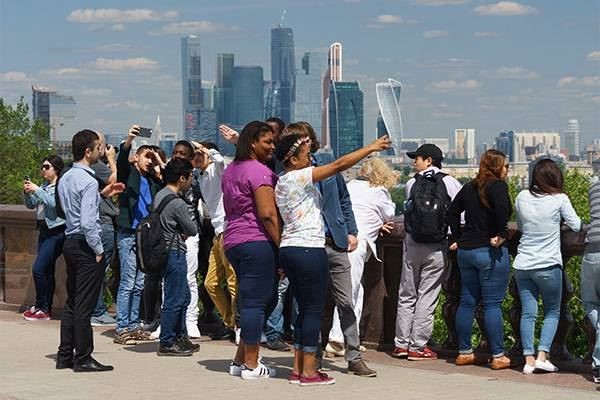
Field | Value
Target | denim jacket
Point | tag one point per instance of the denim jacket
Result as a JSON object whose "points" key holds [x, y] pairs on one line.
{"points": [[44, 196]]}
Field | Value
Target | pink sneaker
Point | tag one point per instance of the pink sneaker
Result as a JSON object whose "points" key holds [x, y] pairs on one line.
{"points": [[38, 315], [319, 379], [294, 378]]}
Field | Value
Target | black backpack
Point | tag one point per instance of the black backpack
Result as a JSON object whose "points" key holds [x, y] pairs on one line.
{"points": [[426, 207], [152, 253]]}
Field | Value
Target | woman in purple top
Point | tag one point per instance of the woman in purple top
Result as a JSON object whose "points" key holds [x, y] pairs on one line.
{"points": [[251, 237]]}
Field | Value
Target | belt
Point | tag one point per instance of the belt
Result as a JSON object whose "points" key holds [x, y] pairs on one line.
{"points": [[76, 236], [330, 243]]}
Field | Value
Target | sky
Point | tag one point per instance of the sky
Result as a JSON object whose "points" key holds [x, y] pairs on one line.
{"points": [[479, 64]]}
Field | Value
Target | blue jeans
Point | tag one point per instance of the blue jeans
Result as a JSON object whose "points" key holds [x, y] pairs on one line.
{"points": [[274, 325], [484, 278], [177, 298], [108, 243], [130, 285], [546, 282], [590, 295], [254, 264], [308, 271], [50, 246]]}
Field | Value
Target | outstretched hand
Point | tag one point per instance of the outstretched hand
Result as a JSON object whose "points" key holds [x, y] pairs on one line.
{"points": [[229, 134], [381, 143], [112, 188]]}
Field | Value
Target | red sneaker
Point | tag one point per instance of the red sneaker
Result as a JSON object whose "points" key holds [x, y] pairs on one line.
{"points": [[425, 354], [319, 379], [29, 312], [294, 378], [400, 352], [38, 315]]}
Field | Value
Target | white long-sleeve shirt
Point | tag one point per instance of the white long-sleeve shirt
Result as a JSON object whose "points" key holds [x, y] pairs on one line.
{"points": [[372, 207], [210, 187]]}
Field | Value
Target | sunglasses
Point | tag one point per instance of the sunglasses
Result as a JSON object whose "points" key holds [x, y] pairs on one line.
{"points": [[46, 166]]}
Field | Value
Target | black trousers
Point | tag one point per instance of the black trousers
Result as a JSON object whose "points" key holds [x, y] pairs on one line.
{"points": [[84, 280]]}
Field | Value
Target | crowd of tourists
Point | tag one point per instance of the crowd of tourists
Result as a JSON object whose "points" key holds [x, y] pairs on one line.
{"points": [[277, 232]]}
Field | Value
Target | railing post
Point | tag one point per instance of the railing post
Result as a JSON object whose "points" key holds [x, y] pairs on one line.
{"points": [[514, 316], [451, 287], [559, 350]]}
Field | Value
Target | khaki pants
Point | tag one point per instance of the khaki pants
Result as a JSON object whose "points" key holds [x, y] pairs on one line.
{"points": [[219, 270]]}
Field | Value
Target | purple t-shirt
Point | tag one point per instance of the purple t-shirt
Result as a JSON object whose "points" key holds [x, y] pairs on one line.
{"points": [[240, 180]]}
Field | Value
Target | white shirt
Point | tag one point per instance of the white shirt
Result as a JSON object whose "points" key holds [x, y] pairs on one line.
{"points": [[210, 187], [299, 204], [372, 207]]}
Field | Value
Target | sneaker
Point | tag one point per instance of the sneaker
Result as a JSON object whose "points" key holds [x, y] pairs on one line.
{"points": [[29, 312], [425, 354], [263, 338], [156, 334], [400, 352], [37, 315], [150, 326], [596, 374], [358, 367], [238, 335], [545, 365], [294, 378], [501, 362], [528, 369], [176, 350], [320, 378], [103, 320], [185, 343], [278, 345], [193, 331], [362, 348], [334, 349], [223, 333], [261, 371], [235, 369]]}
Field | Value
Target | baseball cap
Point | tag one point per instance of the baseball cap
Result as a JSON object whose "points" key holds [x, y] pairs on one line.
{"points": [[427, 150]]}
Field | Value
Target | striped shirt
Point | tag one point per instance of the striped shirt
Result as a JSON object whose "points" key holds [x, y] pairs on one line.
{"points": [[592, 239]]}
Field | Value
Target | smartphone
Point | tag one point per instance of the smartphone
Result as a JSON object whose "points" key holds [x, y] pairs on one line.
{"points": [[145, 132], [27, 179]]}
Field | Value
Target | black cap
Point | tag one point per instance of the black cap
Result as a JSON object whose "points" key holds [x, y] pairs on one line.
{"points": [[427, 150]]}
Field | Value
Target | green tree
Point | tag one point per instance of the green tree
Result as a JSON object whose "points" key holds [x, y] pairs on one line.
{"points": [[23, 145]]}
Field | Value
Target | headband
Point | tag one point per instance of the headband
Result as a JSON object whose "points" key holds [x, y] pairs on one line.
{"points": [[297, 143]]}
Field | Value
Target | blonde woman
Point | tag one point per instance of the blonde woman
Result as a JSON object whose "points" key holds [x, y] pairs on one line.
{"points": [[373, 210]]}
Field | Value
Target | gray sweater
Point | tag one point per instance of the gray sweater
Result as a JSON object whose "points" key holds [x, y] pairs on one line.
{"points": [[592, 240], [175, 220]]}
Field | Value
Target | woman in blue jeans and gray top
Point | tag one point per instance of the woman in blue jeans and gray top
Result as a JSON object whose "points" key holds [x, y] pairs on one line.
{"points": [[538, 265], [482, 255]]}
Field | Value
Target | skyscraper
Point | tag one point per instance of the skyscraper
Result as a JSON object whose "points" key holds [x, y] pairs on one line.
{"points": [[345, 117], [388, 99], [505, 142], [56, 111], [224, 88], [247, 82], [464, 144], [191, 85], [572, 139], [283, 68], [332, 73], [308, 105]]}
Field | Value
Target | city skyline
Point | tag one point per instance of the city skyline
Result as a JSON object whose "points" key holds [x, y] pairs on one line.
{"points": [[122, 65]]}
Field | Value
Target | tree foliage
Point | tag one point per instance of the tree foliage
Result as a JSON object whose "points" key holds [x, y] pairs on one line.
{"points": [[23, 145]]}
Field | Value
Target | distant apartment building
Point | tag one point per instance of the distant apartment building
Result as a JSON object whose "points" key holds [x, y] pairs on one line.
{"points": [[528, 145], [55, 110], [464, 144], [411, 144], [572, 140]]}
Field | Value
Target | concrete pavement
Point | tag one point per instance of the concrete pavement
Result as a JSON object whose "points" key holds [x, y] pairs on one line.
{"points": [[27, 351]]}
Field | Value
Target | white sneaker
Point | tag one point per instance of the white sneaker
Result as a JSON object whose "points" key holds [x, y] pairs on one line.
{"points": [[156, 334], [261, 371], [235, 369], [193, 331], [263, 338], [238, 332], [528, 369], [545, 366]]}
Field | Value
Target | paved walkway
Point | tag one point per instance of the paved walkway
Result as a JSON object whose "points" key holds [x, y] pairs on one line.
{"points": [[27, 351]]}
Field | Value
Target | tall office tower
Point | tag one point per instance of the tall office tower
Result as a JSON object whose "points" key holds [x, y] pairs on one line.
{"points": [[247, 83], [572, 140], [505, 142], [345, 117], [283, 69], [480, 149], [224, 88], [332, 73], [528, 145], [308, 90], [388, 99], [464, 144], [191, 86], [56, 111]]}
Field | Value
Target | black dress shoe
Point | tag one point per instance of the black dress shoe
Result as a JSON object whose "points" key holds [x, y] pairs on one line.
{"points": [[64, 364], [176, 350], [91, 365], [185, 343]]}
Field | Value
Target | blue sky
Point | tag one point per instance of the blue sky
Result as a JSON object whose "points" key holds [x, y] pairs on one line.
{"points": [[463, 63]]}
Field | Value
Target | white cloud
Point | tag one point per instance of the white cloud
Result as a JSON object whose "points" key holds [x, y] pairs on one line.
{"points": [[444, 86], [565, 81], [594, 55], [62, 71], [116, 16], [388, 19], [187, 27], [512, 73], [133, 105], [434, 34], [111, 48], [505, 9], [96, 92], [437, 3], [486, 34], [586, 81], [138, 63], [14, 76], [118, 27]]}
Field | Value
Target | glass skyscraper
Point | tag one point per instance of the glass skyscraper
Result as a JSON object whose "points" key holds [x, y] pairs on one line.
{"points": [[345, 117], [572, 139], [283, 68], [247, 82], [224, 88], [388, 99], [57, 111], [191, 86], [308, 105]]}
